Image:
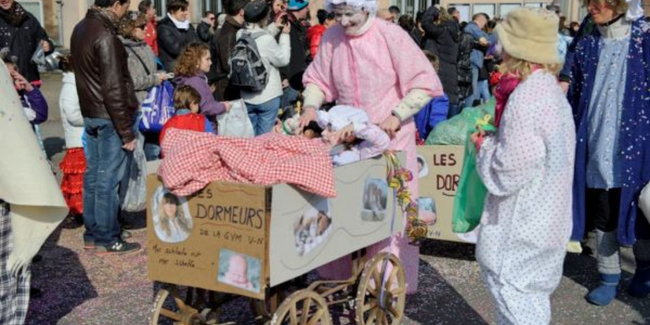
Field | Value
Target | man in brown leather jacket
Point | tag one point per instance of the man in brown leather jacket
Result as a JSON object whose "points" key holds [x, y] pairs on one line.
{"points": [[108, 105]]}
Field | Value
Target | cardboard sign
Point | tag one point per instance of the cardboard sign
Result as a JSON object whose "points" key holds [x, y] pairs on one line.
{"points": [[214, 240], [438, 180], [308, 231], [225, 239]]}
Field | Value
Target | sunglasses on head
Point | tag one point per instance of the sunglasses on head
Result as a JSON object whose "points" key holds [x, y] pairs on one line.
{"points": [[141, 26], [133, 15]]}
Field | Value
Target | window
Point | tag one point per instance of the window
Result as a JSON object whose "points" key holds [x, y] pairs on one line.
{"points": [[161, 7], [410, 8], [35, 8], [484, 8], [534, 4], [213, 5], [423, 5], [505, 8], [464, 11]]}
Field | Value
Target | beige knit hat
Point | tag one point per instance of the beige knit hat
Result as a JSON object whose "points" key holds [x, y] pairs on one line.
{"points": [[530, 34]]}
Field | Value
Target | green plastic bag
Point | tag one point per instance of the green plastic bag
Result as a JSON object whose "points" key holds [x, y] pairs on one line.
{"points": [[471, 192], [454, 131]]}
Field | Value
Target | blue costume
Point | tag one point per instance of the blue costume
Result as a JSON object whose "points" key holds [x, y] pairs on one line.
{"points": [[634, 129], [610, 97], [432, 114]]}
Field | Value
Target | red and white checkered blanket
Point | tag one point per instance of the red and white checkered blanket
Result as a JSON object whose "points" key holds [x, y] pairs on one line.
{"points": [[193, 159]]}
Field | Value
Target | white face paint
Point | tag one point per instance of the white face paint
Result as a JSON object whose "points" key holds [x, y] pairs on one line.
{"points": [[349, 18]]}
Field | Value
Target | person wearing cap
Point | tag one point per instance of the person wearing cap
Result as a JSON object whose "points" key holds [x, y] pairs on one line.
{"points": [[527, 168], [610, 99], [296, 14], [374, 65], [263, 105]]}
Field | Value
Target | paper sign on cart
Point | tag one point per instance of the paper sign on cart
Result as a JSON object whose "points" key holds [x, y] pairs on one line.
{"points": [[438, 176]]}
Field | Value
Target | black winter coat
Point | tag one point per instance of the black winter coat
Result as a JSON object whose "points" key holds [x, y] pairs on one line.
{"points": [[204, 33], [416, 35], [299, 52], [442, 40], [172, 41], [222, 44], [23, 41]]}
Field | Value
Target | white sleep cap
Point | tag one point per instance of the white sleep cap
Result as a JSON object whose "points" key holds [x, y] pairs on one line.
{"points": [[340, 116], [369, 6]]}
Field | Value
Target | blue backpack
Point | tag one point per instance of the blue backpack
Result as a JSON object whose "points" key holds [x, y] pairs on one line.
{"points": [[157, 108]]}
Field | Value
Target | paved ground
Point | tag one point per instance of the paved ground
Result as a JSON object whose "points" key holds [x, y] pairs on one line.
{"points": [[82, 289]]}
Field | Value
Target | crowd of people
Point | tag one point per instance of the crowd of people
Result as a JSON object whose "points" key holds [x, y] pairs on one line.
{"points": [[570, 155]]}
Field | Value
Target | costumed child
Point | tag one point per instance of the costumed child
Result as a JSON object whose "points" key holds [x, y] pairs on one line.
{"points": [[435, 111], [527, 168], [73, 164], [190, 69], [187, 117]]}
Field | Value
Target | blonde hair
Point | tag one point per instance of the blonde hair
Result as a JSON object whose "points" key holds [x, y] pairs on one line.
{"points": [[444, 16], [165, 221], [523, 69], [619, 6], [188, 61]]}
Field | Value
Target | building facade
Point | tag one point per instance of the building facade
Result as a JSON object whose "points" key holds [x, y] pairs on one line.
{"points": [[60, 16]]}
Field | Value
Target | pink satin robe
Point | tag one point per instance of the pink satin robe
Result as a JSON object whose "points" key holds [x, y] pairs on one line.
{"points": [[374, 71]]}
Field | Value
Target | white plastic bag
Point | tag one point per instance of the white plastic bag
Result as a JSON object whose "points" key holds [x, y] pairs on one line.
{"points": [[644, 201], [136, 194], [236, 122]]}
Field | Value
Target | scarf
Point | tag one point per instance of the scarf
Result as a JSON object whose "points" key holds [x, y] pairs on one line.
{"points": [[108, 14], [184, 25], [504, 89], [14, 16], [366, 26], [618, 28]]}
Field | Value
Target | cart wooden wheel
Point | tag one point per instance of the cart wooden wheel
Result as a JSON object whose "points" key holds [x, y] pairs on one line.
{"points": [[181, 314], [377, 306], [303, 307]]}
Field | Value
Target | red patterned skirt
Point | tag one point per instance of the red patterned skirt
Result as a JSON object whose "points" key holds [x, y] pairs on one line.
{"points": [[73, 167]]}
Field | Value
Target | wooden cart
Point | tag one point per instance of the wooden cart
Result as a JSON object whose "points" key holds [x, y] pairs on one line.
{"points": [[259, 242]]}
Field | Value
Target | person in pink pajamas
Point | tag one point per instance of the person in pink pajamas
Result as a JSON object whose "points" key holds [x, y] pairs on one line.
{"points": [[373, 65]]}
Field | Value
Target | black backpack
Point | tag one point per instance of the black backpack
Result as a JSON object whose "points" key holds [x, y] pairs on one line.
{"points": [[247, 71], [465, 47]]}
